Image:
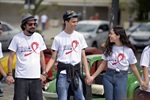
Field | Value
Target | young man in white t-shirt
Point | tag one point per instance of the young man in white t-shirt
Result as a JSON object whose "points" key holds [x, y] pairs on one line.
{"points": [[69, 49], [28, 47]]}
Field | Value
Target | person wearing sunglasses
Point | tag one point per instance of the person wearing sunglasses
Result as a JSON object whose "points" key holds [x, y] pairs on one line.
{"points": [[144, 90], [69, 50], [118, 55], [28, 47]]}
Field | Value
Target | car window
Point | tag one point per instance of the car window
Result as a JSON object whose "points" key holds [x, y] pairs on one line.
{"points": [[5, 28], [103, 27], [85, 28], [144, 28]]}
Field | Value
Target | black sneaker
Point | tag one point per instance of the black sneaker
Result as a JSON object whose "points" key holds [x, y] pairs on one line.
{"points": [[1, 93]]}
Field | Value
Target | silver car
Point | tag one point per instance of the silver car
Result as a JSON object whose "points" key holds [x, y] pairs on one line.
{"points": [[141, 37], [7, 35], [95, 32]]}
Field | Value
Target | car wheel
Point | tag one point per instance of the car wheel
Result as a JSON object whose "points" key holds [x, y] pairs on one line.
{"points": [[138, 95], [94, 44]]}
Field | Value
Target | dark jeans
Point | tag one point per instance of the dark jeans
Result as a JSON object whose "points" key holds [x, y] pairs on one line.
{"points": [[27, 87]]}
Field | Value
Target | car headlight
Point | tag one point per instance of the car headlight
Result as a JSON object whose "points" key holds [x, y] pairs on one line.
{"points": [[46, 86]]}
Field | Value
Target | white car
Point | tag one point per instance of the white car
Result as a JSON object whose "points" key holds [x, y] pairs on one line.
{"points": [[141, 37], [95, 32], [7, 35]]}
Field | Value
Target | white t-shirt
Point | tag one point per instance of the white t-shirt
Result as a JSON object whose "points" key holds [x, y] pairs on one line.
{"points": [[145, 61], [121, 58], [44, 18], [1, 54], [69, 47], [27, 50]]}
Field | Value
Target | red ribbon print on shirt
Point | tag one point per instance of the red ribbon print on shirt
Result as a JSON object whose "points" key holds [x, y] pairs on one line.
{"points": [[33, 48], [74, 45], [119, 58]]}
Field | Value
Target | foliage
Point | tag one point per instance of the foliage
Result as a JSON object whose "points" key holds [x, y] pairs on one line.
{"points": [[143, 8], [38, 8]]}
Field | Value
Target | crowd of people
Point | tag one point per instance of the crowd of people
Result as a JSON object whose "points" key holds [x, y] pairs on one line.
{"points": [[69, 50]]}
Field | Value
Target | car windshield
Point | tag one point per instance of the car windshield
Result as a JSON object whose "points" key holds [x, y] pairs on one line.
{"points": [[134, 28], [145, 27], [85, 28]]}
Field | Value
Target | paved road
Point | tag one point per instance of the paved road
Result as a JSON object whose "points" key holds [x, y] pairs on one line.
{"points": [[49, 33]]}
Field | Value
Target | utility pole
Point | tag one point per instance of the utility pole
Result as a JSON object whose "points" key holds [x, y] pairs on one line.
{"points": [[84, 9], [114, 13]]}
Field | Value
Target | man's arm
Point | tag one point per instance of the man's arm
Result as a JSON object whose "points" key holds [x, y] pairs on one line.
{"points": [[146, 78], [85, 63], [10, 78], [2, 70], [51, 61]]}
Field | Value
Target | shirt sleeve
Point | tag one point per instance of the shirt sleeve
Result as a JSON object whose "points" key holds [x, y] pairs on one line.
{"points": [[55, 44], [132, 58], [43, 46], [84, 44], [145, 58], [1, 53], [13, 45]]}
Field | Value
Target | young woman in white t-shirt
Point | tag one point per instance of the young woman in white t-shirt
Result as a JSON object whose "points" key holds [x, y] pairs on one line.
{"points": [[118, 56]]}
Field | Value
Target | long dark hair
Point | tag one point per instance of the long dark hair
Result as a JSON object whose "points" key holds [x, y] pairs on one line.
{"points": [[123, 38]]}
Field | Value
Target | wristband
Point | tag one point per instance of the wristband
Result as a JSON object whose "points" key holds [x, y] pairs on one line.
{"points": [[10, 74], [44, 73], [4, 79]]}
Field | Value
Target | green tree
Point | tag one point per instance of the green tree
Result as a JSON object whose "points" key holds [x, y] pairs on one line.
{"points": [[38, 8], [143, 8]]}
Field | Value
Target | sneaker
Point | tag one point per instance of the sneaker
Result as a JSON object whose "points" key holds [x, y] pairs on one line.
{"points": [[1, 93]]}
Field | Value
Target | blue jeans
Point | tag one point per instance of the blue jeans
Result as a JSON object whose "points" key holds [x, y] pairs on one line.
{"points": [[115, 85], [62, 88], [27, 87]]}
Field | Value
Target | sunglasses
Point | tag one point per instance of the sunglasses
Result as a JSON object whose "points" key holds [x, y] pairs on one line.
{"points": [[30, 24]]}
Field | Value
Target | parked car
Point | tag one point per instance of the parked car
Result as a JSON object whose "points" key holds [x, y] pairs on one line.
{"points": [[141, 37], [95, 32], [132, 29], [8, 33], [96, 91]]}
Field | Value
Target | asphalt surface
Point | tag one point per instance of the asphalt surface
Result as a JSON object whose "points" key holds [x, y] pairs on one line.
{"points": [[48, 34]]}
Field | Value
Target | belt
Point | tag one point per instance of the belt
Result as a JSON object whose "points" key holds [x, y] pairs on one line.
{"points": [[117, 70]]}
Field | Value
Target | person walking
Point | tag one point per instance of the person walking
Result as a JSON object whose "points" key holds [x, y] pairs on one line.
{"points": [[37, 20], [1, 67], [145, 65], [44, 19], [69, 49], [28, 47], [118, 55]]}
